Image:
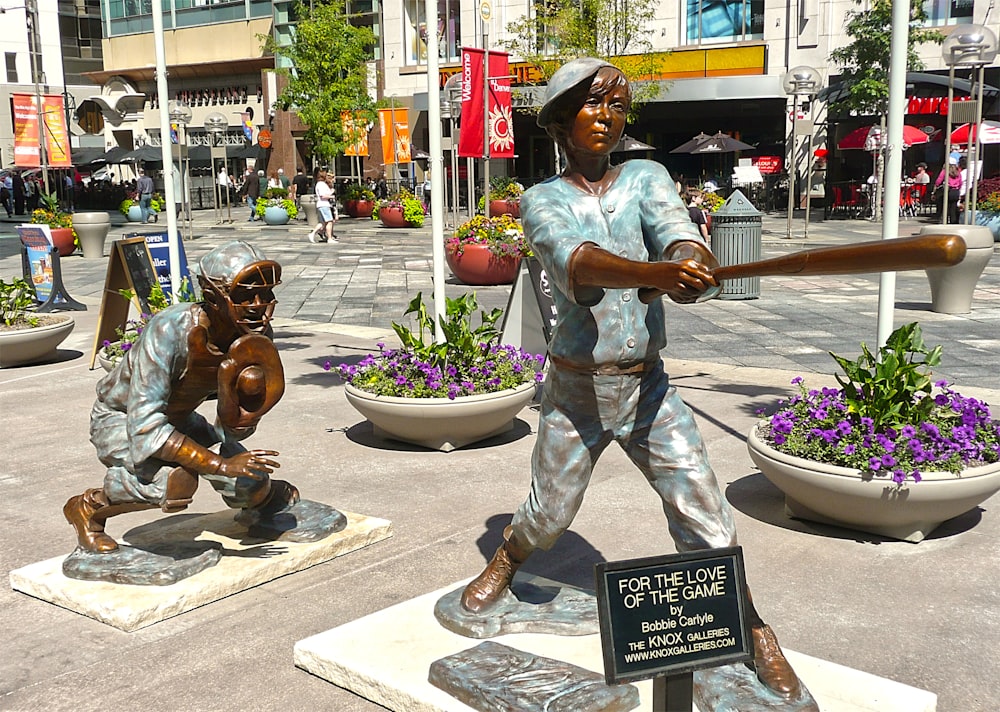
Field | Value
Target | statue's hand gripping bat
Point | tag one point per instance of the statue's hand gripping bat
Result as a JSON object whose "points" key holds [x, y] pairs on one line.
{"points": [[919, 252]]}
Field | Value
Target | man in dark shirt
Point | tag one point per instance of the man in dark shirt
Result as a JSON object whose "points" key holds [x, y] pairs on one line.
{"points": [[300, 186], [145, 188]]}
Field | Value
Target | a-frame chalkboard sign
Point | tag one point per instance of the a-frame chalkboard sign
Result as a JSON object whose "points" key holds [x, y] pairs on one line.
{"points": [[129, 267]]}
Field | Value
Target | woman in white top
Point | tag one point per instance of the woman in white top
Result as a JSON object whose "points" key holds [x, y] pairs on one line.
{"points": [[326, 205]]}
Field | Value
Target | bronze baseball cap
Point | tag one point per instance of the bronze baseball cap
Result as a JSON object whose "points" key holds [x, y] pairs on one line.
{"points": [[569, 75]]}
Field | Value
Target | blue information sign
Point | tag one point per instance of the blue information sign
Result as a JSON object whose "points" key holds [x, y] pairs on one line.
{"points": [[159, 251]]}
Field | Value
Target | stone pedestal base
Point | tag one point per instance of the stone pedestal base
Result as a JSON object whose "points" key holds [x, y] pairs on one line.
{"points": [[244, 563], [386, 657]]}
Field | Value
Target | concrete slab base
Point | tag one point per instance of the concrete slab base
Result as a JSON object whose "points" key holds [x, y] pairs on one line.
{"points": [[385, 657], [245, 563]]}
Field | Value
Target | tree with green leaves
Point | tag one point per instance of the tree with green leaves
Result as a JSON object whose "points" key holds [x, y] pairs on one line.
{"points": [[613, 30], [865, 61], [328, 74]]}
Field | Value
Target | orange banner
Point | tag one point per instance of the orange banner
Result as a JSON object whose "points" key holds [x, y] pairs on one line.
{"points": [[395, 128], [355, 133], [57, 147]]}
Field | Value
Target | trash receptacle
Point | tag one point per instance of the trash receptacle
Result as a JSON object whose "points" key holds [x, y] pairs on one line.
{"points": [[736, 238]]}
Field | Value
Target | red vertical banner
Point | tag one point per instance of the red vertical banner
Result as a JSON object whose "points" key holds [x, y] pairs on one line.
{"points": [[500, 126], [501, 121], [26, 132], [470, 139], [395, 129]]}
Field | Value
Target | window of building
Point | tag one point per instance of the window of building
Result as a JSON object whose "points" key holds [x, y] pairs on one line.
{"points": [[948, 12], [710, 21], [415, 31], [11, 58], [366, 13]]}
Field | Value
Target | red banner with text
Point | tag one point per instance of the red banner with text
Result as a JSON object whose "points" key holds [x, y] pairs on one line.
{"points": [[471, 143], [57, 147], [395, 128]]}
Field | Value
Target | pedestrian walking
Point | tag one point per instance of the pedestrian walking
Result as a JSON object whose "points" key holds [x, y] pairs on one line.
{"points": [[145, 188], [327, 206]]}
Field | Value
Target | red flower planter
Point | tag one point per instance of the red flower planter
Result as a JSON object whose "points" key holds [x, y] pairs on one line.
{"points": [[62, 237], [359, 208], [505, 207], [477, 266], [392, 217]]}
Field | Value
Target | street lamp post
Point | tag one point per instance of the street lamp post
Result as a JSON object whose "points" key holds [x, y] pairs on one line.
{"points": [[38, 77], [798, 82], [181, 114], [973, 46], [216, 125], [451, 109]]}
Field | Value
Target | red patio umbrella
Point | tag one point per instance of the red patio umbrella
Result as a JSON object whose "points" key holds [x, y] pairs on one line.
{"points": [[857, 138], [991, 133]]}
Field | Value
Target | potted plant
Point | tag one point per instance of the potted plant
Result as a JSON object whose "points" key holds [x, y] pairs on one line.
{"points": [[26, 337], [275, 208], [711, 201], [400, 210], [61, 223], [130, 207], [988, 205], [111, 352], [505, 197], [443, 395], [889, 452], [359, 201], [486, 251]]}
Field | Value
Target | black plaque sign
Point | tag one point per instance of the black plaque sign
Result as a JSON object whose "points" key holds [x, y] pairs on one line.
{"points": [[668, 615]]}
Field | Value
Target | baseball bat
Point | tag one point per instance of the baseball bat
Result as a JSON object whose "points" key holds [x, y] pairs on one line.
{"points": [[918, 252]]}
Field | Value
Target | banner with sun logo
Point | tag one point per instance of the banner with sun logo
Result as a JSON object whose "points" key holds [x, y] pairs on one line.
{"points": [[395, 127], [501, 126]]}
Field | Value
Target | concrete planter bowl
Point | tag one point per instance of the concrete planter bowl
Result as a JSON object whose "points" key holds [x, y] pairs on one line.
{"points": [[478, 266], [839, 495], [359, 208], [62, 238], [308, 203], [503, 206], [92, 230], [392, 217], [441, 423], [275, 215], [33, 344]]}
